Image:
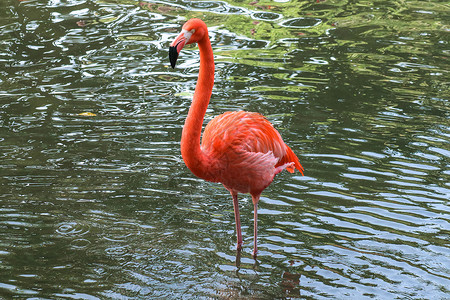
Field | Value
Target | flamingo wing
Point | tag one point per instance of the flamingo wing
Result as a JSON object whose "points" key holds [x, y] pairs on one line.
{"points": [[249, 132]]}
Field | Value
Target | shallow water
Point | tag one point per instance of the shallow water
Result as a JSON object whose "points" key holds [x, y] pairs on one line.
{"points": [[95, 200]]}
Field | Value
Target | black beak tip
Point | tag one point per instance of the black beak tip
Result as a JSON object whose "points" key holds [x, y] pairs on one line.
{"points": [[173, 56]]}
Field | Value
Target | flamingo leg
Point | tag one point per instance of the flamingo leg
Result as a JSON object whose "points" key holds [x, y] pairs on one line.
{"points": [[255, 225], [238, 221]]}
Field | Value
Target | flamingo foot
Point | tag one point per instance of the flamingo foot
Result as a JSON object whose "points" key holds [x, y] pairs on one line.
{"points": [[254, 253], [239, 246]]}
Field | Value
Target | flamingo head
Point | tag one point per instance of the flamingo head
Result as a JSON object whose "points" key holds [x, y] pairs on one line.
{"points": [[193, 31]]}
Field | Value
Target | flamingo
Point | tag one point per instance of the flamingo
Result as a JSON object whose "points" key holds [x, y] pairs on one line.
{"points": [[241, 150]]}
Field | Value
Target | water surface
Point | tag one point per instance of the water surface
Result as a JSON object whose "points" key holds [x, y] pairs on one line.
{"points": [[95, 200]]}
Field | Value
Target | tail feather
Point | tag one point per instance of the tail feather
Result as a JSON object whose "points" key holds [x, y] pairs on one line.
{"points": [[291, 157]]}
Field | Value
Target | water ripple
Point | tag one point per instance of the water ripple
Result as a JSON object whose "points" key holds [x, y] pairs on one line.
{"points": [[72, 229], [301, 22], [121, 231]]}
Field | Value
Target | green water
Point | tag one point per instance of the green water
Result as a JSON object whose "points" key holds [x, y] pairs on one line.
{"points": [[95, 200]]}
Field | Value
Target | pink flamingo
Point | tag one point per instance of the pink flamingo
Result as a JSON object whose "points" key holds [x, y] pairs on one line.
{"points": [[241, 150]]}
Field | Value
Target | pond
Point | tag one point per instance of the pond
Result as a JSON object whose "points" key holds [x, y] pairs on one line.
{"points": [[95, 199]]}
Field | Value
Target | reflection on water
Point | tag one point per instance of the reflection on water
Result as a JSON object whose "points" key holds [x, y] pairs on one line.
{"points": [[97, 203]]}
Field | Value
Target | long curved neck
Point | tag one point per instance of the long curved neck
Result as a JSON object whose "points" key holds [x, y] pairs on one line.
{"points": [[195, 159]]}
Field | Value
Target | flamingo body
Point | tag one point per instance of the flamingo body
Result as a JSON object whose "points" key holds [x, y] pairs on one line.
{"points": [[248, 149], [241, 150]]}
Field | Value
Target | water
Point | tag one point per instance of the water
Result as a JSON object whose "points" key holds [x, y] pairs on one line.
{"points": [[95, 201]]}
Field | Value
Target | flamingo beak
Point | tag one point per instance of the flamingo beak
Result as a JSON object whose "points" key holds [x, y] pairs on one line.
{"points": [[178, 44]]}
